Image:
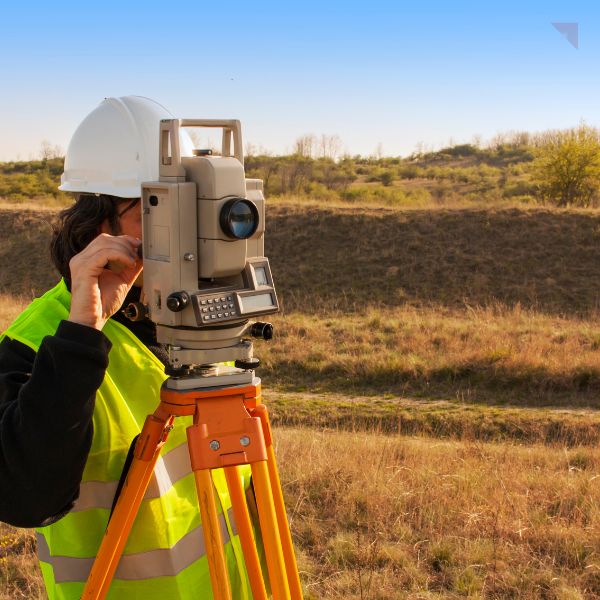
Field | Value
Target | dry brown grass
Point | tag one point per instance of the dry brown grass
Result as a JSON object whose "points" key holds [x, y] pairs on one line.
{"points": [[10, 307], [379, 517], [387, 518], [494, 355], [345, 259], [20, 577], [434, 418], [24, 257]]}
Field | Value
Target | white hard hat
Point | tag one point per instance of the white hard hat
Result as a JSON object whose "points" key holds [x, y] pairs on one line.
{"points": [[115, 148]]}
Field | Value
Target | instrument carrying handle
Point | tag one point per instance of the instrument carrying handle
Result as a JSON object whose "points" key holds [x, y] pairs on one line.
{"points": [[170, 151], [232, 128]]}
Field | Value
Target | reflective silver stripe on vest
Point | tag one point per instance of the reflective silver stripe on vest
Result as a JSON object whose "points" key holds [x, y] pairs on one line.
{"points": [[169, 469], [163, 562]]}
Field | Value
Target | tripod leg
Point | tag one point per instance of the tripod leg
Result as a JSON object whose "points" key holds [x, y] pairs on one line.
{"points": [[244, 525], [261, 412], [284, 528], [119, 527], [270, 531], [212, 536]]}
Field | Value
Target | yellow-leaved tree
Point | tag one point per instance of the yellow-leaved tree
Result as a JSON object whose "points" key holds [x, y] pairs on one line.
{"points": [[567, 166]]}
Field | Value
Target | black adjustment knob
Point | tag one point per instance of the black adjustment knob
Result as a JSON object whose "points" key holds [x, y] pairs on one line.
{"points": [[182, 371], [248, 364], [262, 330], [135, 311], [177, 301]]}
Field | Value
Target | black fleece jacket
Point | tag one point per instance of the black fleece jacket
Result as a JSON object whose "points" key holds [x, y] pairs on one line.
{"points": [[46, 407]]}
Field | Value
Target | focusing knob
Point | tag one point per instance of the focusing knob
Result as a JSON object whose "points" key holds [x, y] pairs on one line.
{"points": [[177, 301], [135, 311], [248, 364], [262, 330]]}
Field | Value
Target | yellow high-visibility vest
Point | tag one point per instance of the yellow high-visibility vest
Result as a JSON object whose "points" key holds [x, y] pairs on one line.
{"points": [[164, 558]]}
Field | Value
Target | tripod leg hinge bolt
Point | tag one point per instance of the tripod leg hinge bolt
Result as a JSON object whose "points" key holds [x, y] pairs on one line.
{"points": [[214, 445], [245, 440]]}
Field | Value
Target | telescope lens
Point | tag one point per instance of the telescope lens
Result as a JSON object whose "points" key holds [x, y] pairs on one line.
{"points": [[239, 218]]}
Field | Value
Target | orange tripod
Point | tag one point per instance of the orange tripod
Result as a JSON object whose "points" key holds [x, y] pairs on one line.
{"points": [[230, 428]]}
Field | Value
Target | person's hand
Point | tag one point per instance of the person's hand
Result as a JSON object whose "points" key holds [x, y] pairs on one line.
{"points": [[97, 292]]}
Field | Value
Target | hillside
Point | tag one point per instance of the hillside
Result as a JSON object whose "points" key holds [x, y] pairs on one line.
{"points": [[24, 255], [458, 305], [347, 259]]}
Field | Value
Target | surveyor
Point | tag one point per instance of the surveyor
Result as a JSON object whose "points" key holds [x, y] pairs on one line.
{"points": [[77, 380]]}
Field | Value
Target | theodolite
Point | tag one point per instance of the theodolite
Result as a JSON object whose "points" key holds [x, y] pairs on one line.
{"points": [[205, 273]]}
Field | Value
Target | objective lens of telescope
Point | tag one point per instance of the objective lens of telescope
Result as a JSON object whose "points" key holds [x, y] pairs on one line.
{"points": [[239, 218]]}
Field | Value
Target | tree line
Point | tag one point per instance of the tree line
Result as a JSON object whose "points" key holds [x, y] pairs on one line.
{"points": [[561, 167]]}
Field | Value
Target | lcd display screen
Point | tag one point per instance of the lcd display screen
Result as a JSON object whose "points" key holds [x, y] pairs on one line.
{"points": [[258, 302], [261, 276]]}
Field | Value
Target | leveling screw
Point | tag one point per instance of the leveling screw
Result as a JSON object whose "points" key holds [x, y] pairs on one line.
{"points": [[245, 440], [214, 445]]}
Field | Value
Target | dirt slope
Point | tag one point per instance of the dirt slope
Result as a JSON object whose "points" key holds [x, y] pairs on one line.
{"points": [[540, 258], [343, 258]]}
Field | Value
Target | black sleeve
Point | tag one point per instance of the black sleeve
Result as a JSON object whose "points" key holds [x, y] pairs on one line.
{"points": [[46, 406]]}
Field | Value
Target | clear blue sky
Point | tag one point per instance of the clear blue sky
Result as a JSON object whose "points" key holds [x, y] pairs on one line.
{"points": [[373, 72]]}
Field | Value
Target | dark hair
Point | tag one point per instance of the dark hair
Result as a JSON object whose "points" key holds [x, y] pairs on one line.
{"points": [[79, 224]]}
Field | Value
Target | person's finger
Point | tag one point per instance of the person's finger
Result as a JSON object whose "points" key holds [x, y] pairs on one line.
{"points": [[126, 242], [124, 275], [117, 267], [111, 255], [133, 274]]}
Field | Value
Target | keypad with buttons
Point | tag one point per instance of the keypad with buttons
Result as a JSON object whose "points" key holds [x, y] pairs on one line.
{"points": [[215, 309]]}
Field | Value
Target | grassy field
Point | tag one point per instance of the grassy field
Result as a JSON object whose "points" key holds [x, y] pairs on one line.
{"points": [[434, 383], [387, 517]]}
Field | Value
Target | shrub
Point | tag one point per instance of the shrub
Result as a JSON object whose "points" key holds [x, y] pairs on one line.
{"points": [[387, 178], [519, 188], [567, 167], [410, 172], [391, 196]]}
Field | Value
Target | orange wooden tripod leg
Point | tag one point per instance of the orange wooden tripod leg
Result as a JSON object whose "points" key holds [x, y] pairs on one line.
{"points": [[284, 528], [282, 521], [270, 531], [119, 527], [212, 536], [244, 527]]}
